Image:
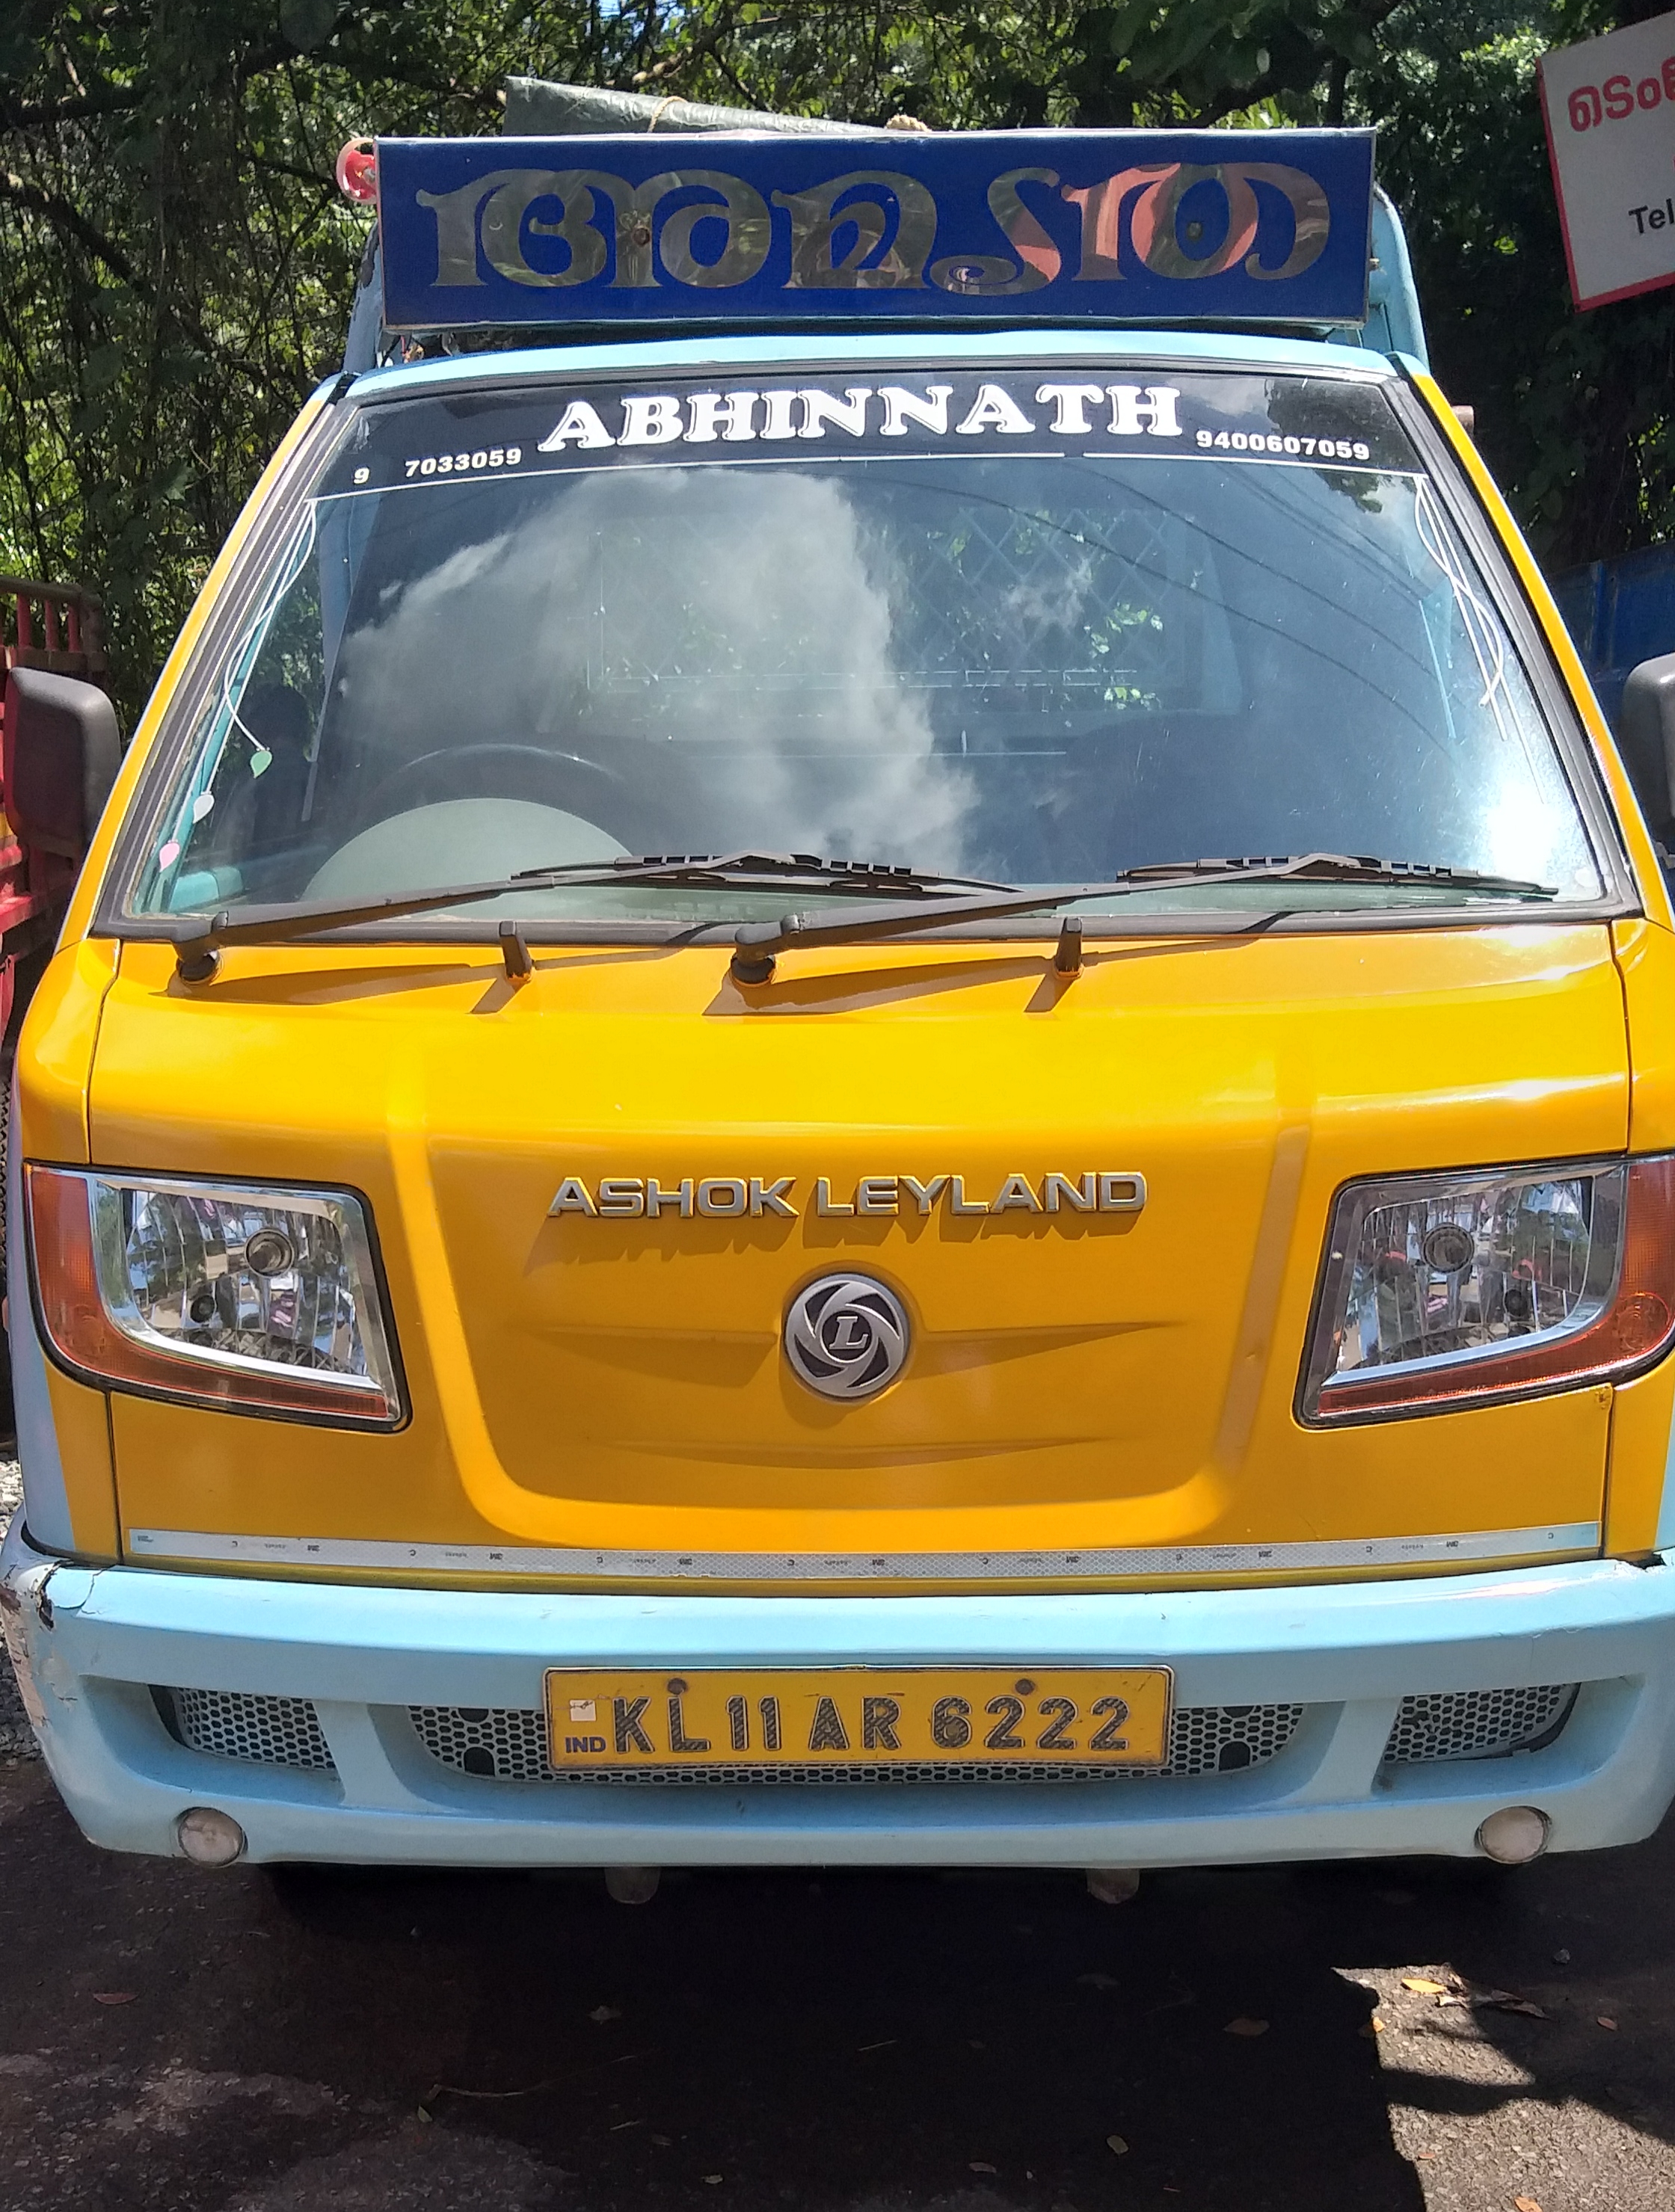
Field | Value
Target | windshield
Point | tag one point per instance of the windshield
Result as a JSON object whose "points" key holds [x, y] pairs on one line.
{"points": [[1024, 625]]}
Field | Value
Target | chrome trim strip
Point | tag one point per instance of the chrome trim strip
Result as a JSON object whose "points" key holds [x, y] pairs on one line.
{"points": [[1486, 1544]]}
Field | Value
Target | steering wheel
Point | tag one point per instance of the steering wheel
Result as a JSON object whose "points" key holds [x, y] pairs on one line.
{"points": [[551, 778]]}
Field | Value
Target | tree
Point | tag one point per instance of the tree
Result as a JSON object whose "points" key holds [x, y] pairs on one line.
{"points": [[1572, 409], [176, 262]]}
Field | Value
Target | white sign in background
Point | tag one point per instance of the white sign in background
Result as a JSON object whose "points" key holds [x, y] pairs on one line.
{"points": [[1610, 107]]}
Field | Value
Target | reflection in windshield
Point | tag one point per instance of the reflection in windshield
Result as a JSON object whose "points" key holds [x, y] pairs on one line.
{"points": [[1029, 667], [735, 614]]}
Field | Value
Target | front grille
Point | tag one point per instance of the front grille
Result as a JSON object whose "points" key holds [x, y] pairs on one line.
{"points": [[509, 1744], [1476, 1724], [233, 1724]]}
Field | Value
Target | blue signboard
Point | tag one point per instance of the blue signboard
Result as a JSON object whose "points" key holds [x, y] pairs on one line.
{"points": [[1051, 226]]}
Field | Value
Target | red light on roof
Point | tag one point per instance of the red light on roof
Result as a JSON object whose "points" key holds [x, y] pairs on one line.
{"points": [[357, 171]]}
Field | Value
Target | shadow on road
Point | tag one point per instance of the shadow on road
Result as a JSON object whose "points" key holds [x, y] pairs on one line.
{"points": [[192, 2041]]}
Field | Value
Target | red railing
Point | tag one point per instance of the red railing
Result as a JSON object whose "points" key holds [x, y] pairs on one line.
{"points": [[56, 626]]}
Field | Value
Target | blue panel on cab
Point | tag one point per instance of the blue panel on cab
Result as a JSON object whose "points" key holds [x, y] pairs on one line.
{"points": [[1097, 226]]}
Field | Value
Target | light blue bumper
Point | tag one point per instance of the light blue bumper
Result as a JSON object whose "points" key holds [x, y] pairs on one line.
{"points": [[1349, 1655]]}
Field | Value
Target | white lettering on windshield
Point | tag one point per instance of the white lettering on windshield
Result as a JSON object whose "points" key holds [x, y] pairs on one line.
{"points": [[579, 422], [1271, 441], [656, 418]]}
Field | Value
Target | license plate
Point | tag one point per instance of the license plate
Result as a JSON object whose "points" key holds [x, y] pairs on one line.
{"points": [[945, 1716]]}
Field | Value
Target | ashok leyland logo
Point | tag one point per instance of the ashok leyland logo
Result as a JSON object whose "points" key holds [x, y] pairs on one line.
{"points": [[846, 1336]]}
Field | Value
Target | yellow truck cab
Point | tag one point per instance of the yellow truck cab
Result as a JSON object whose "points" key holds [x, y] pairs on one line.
{"points": [[871, 1059]]}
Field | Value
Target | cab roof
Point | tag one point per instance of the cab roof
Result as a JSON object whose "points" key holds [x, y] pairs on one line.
{"points": [[852, 349]]}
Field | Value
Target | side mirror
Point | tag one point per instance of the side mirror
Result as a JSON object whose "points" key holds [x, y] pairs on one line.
{"points": [[59, 760], [1648, 734]]}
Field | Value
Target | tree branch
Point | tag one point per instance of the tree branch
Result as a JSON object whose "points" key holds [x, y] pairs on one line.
{"points": [[68, 217], [64, 216], [27, 115], [288, 169]]}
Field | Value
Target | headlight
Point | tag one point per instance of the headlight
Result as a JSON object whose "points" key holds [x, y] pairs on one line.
{"points": [[254, 1299], [1448, 1290]]}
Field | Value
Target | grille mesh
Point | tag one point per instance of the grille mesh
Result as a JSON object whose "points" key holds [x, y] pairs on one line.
{"points": [[233, 1724], [509, 1744], [1475, 1723]]}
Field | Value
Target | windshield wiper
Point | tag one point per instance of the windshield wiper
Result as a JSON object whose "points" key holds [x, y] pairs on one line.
{"points": [[727, 871], [1337, 868], [197, 941], [758, 943], [921, 897]]}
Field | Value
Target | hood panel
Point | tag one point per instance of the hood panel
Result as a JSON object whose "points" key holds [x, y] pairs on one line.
{"points": [[1093, 1379]]}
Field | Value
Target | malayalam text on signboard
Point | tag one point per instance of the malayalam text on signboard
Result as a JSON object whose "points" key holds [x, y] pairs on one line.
{"points": [[1127, 226], [1609, 109]]}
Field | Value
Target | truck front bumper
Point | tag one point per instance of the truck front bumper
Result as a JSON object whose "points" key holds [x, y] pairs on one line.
{"points": [[361, 1781]]}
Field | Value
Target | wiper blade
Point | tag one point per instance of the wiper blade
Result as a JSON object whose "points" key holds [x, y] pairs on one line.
{"points": [[1335, 868], [197, 941], [729, 870], [758, 943]]}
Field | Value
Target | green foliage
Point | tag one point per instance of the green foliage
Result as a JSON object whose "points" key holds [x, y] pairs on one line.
{"points": [[176, 262], [1573, 409], [176, 265]]}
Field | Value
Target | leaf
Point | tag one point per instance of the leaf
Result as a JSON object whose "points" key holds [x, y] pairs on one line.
{"points": [[1244, 2026], [114, 1997], [306, 22], [1524, 2204], [982, 2166], [103, 367], [1423, 1986], [712, 2178], [1118, 2144], [482, 2096], [1495, 1999], [1506, 2001], [600, 2014], [1605, 2020], [1180, 2003]]}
